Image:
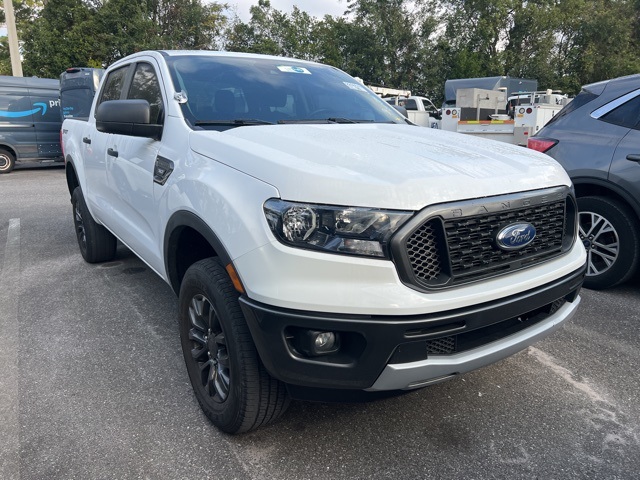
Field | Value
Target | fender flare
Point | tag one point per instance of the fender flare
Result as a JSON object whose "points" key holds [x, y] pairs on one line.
{"points": [[177, 222]]}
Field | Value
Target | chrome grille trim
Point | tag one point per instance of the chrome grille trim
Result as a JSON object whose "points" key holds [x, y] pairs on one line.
{"points": [[452, 244]]}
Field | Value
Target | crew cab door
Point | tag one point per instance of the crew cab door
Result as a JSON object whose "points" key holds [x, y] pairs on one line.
{"points": [[625, 165], [130, 168]]}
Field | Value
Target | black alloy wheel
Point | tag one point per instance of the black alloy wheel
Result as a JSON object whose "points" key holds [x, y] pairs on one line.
{"points": [[231, 384], [209, 348]]}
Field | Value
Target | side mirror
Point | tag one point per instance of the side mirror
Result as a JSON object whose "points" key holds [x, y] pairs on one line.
{"points": [[127, 117], [400, 109]]}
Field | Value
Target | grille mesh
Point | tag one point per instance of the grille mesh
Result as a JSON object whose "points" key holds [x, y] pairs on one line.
{"points": [[442, 346], [463, 249], [423, 253]]}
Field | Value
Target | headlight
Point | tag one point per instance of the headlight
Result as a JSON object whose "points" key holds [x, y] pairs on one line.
{"points": [[349, 230]]}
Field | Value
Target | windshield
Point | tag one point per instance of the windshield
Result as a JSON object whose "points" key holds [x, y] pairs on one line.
{"points": [[224, 92], [76, 103]]}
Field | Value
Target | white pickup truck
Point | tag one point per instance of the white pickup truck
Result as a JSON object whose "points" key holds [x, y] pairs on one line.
{"points": [[321, 247], [420, 110]]}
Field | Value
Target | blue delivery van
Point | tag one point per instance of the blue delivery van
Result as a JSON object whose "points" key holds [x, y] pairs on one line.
{"points": [[29, 121], [78, 85]]}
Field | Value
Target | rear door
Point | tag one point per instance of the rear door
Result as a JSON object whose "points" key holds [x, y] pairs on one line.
{"points": [[625, 165], [95, 152]]}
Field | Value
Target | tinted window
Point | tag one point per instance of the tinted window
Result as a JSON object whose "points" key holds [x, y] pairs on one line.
{"points": [[410, 104], [113, 85], [15, 105], [626, 115], [145, 87], [583, 98], [272, 90], [76, 102]]}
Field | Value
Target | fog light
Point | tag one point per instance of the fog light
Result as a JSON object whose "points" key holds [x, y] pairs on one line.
{"points": [[314, 343], [325, 341]]}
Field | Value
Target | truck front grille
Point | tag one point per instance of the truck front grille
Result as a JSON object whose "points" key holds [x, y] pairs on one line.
{"points": [[444, 247]]}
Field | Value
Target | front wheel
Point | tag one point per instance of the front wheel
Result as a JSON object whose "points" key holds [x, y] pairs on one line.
{"points": [[609, 232], [229, 381]]}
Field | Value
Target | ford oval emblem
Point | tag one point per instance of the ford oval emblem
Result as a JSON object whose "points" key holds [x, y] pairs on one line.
{"points": [[516, 236]]}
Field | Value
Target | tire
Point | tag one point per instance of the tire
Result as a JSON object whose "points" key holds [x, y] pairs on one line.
{"points": [[7, 161], [230, 383], [609, 231], [97, 244]]}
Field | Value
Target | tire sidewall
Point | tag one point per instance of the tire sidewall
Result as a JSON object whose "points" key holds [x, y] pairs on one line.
{"points": [[227, 415], [625, 226], [77, 202]]}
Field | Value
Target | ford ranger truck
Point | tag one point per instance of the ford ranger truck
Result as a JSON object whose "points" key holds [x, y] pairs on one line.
{"points": [[321, 247]]}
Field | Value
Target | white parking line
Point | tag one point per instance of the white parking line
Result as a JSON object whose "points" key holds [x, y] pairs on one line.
{"points": [[9, 426]]}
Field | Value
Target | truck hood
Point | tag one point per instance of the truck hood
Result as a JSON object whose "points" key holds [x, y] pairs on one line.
{"points": [[378, 165]]}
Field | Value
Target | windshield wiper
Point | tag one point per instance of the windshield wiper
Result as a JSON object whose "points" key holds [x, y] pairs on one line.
{"points": [[325, 120], [235, 122]]}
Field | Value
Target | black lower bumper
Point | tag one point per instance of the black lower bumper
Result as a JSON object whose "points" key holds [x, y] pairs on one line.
{"points": [[369, 343]]}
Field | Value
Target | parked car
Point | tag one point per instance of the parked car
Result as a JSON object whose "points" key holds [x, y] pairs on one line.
{"points": [[29, 121], [596, 138], [321, 246]]}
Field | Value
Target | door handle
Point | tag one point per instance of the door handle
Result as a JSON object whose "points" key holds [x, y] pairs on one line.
{"points": [[86, 140], [634, 157], [112, 153]]}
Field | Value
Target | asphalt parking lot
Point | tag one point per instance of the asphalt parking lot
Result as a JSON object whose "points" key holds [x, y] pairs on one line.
{"points": [[93, 384]]}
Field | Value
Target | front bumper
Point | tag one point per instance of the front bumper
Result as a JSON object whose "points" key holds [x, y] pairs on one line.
{"points": [[380, 353]]}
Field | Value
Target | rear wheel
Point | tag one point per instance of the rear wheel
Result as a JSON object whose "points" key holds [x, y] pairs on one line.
{"points": [[7, 161], [609, 232], [97, 244], [232, 386]]}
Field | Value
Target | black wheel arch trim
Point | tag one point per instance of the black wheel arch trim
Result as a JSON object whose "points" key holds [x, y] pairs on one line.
{"points": [[628, 198], [71, 174], [178, 221]]}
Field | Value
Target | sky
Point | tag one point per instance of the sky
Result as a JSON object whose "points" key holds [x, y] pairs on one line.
{"points": [[315, 8]]}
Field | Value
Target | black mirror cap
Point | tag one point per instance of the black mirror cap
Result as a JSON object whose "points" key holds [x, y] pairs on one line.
{"points": [[127, 117], [400, 109]]}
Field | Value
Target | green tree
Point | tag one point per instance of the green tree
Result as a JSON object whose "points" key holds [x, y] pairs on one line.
{"points": [[273, 32], [93, 33], [58, 39]]}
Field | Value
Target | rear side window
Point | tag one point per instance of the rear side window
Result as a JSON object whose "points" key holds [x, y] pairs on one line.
{"points": [[626, 115], [583, 98], [411, 104]]}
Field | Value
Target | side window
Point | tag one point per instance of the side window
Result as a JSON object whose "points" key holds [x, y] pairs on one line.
{"points": [[411, 104], [145, 86], [15, 105], [626, 115], [113, 85]]}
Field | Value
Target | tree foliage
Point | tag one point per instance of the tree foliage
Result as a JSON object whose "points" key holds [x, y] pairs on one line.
{"points": [[412, 44]]}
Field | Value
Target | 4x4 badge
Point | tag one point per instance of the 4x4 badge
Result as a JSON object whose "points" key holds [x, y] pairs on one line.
{"points": [[516, 236]]}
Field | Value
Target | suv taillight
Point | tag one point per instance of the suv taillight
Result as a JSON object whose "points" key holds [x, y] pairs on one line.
{"points": [[541, 144]]}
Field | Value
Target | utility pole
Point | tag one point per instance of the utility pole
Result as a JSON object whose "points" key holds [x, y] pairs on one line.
{"points": [[14, 50]]}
